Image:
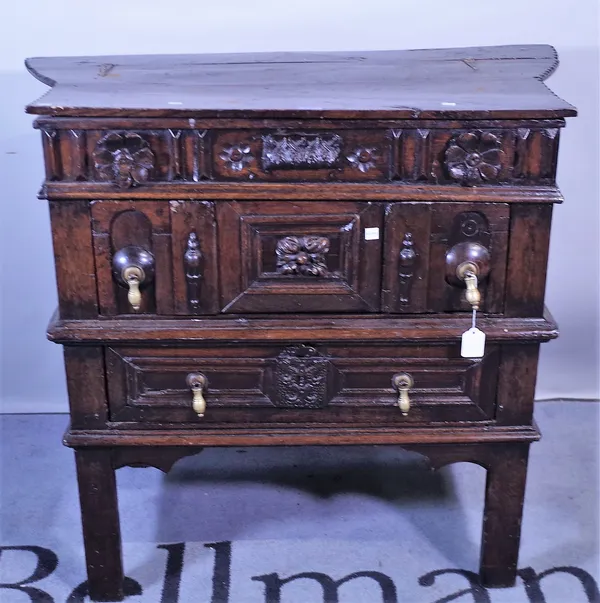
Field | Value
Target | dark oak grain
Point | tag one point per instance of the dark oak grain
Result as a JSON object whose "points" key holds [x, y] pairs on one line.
{"points": [[74, 259], [420, 329], [427, 437], [446, 83], [100, 520], [86, 386], [528, 258], [504, 496], [300, 220]]}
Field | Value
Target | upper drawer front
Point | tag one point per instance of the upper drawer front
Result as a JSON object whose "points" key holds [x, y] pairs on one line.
{"points": [[301, 384], [188, 151], [196, 257]]}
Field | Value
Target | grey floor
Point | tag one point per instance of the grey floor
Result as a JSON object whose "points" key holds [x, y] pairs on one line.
{"points": [[286, 511]]}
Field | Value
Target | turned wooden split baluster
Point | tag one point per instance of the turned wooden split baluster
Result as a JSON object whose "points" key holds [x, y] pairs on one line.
{"points": [[193, 271]]}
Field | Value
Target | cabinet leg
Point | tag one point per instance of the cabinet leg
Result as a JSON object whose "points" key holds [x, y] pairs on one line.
{"points": [[504, 494], [100, 520]]}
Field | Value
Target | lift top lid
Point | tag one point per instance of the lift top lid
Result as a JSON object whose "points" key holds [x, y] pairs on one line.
{"points": [[495, 82]]}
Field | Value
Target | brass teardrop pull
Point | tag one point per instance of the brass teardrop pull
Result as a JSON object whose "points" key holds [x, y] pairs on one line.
{"points": [[467, 264], [133, 277], [402, 382], [133, 267], [468, 272], [197, 382]]}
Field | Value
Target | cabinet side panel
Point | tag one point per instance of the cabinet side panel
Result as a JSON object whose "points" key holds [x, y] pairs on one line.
{"points": [[74, 258], [516, 384], [86, 386], [527, 259]]}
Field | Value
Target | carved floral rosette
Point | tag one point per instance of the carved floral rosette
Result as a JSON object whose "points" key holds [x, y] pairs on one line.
{"points": [[304, 256], [363, 158], [124, 158], [474, 157], [237, 156]]}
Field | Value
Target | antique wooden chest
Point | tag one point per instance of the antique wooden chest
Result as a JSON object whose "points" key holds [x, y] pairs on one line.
{"points": [[286, 249]]}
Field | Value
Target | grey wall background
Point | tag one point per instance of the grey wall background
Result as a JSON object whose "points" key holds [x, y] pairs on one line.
{"points": [[32, 373]]}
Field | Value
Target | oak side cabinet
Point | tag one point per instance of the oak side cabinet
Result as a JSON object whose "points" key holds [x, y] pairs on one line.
{"points": [[286, 249]]}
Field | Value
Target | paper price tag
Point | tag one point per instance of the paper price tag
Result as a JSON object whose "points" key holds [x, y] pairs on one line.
{"points": [[473, 343], [371, 234]]}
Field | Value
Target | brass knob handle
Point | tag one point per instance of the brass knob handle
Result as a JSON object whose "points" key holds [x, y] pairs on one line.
{"points": [[133, 267], [468, 271], [197, 382], [468, 263], [402, 382]]}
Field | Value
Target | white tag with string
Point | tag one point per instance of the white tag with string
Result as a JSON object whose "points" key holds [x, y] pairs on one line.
{"points": [[473, 341]]}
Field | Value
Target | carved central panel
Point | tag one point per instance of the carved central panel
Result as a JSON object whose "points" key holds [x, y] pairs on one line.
{"points": [[301, 378], [304, 151], [304, 255]]}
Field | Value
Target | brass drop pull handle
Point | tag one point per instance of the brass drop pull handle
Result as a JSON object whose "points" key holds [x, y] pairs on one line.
{"points": [[134, 276], [468, 272], [402, 383], [133, 267], [197, 382]]}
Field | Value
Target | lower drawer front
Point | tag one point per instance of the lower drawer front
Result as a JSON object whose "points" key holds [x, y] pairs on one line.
{"points": [[298, 384]]}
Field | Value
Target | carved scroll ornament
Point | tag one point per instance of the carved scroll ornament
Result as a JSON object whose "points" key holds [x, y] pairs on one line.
{"points": [[125, 158], [301, 378], [303, 256], [301, 151]]}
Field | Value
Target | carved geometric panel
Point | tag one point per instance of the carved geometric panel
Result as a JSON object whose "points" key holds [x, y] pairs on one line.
{"points": [[299, 257], [265, 383], [445, 386], [150, 384]]}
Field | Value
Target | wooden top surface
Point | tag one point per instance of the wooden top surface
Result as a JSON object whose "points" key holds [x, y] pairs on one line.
{"points": [[501, 82]]}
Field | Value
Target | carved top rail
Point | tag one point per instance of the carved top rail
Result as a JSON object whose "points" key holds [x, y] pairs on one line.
{"points": [[467, 155]]}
